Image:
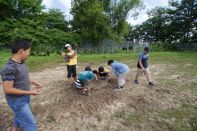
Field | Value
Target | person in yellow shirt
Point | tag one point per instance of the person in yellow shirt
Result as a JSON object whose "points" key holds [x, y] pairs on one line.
{"points": [[103, 73], [71, 59]]}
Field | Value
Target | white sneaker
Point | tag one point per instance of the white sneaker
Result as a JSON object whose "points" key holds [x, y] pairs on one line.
{"points": [[117, 89]]}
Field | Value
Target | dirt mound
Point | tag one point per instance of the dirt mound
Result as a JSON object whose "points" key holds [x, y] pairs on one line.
{"points": [[61, 108], [62, 101]]}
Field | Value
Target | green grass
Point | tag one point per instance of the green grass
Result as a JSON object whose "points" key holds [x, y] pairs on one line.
{"points": [[131, 119], [105, 57], [177, 85], [174, 57], [40, 62], [35, 63], [185, 118]]}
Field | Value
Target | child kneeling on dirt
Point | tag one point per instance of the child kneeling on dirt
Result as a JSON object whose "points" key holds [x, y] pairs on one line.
{"points": [[120, 70], [83, 80], [103, 73]]}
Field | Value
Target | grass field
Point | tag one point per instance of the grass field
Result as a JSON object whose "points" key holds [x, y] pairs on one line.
{"points": [[40, 62]]}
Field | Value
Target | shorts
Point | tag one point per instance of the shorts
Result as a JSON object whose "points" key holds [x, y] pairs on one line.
{"points": [[103, 75], [71, 71], [79, 84]]}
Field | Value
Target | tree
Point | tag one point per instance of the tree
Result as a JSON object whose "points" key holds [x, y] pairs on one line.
{"points": [[19, 8], [104, 19], [54, 18], [175, 24], [90, 21], [119, 12], [47, 31]]}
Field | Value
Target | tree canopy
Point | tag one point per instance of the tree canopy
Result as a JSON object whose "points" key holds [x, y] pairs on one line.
{"points": [[174, 24], [96, 20], [25, 19]]}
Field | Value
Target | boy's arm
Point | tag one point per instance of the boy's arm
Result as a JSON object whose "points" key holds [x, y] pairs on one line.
{"points": [[96, 77], [114, 71], [8, 89], [71, 55], [91, 76], [140, 61], [142, 67]]}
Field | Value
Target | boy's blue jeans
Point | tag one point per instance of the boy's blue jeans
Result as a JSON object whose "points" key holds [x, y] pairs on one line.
{"points": [[23, 116]]}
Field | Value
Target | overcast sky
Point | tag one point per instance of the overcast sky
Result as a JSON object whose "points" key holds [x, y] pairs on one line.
{"points": [[65, 6]]}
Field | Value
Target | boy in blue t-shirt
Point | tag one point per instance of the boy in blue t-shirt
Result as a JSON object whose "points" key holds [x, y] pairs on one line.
{"points": [[84, 78], [16, 85], [142, 66], [120, 70]]}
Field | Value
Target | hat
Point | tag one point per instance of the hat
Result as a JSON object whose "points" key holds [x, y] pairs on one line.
{"points": [[67, 45]]}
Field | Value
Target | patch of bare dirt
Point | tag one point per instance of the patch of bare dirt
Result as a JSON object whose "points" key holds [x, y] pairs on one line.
{"points": [[61, 108]]}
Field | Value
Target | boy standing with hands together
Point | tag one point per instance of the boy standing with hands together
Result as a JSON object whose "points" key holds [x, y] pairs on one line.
{"points": [[16, 85]]}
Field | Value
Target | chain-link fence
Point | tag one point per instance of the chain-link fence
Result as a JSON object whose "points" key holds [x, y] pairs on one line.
{"points": [[110, 46], [105, 46], [186, 47]]}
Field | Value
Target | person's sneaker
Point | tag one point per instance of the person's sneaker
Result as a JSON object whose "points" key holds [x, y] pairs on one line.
{"points": [[136, 82], [117, 89], [151, 84], [121, 87]]}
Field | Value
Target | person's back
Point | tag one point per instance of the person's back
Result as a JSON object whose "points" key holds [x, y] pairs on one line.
{"points": [[119, 68], [83, 80], [86, 75]]}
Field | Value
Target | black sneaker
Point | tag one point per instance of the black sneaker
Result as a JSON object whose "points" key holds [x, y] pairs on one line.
{"points": [[136, 82], [151, 84], [121, 87]]}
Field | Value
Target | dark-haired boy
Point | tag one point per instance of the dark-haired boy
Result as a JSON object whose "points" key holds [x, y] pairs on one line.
{"points": [[142, 66], [16, 85], [120, 70]]}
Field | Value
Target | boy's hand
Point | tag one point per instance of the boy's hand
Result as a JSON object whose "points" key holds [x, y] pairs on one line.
{"points": [[35, 92], [96, 77], [38, 86], [63, 54]]}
